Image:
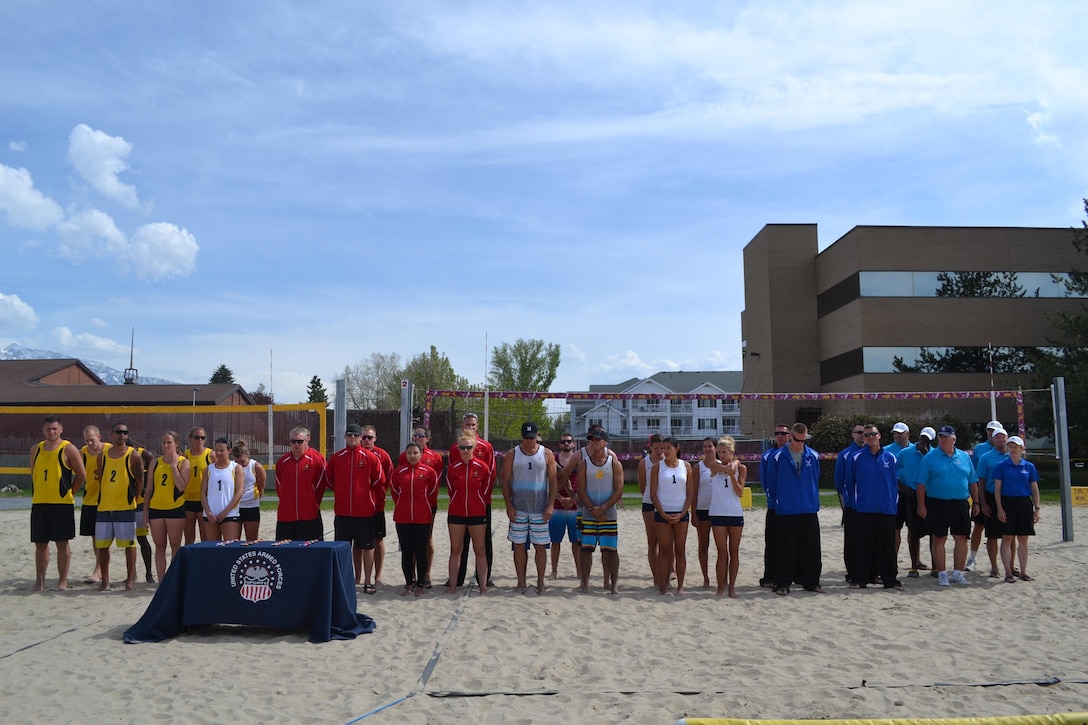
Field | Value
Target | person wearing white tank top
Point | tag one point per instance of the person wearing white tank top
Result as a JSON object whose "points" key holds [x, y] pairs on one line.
{"points": [[253, 478], [672, 492], [727, 515], [220, 492], [701, 517]]}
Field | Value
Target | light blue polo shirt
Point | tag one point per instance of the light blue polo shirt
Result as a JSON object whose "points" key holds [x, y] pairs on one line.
{"points": [[946, 476]]}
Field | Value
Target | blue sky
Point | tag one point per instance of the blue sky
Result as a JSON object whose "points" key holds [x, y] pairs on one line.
{"points": [[320, 181]]}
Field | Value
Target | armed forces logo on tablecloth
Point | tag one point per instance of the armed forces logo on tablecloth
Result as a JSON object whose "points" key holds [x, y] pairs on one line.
{"points": [[256, 575]]}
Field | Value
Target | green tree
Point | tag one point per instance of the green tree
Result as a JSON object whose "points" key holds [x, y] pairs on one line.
{"points": [[374, 383], [222, 374], [316, 392], [1068, 356], [525, 366], [433, 371], [963, 359]]}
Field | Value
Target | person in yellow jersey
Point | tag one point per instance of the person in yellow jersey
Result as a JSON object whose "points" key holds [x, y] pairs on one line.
{"points": [[199, 457], [164, 504], [147, 458], [122, 477], [91, 452], [56, 472]]}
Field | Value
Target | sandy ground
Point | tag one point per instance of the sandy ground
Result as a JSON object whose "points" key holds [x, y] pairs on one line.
{"points": [[986, 649]]}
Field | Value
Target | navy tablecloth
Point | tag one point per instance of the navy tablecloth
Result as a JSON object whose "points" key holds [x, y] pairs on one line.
{"points": [[295, 585]]}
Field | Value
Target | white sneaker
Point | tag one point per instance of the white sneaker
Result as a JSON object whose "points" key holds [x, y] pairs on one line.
{"points": [[942, 579], [959, 578], [970, 566]]}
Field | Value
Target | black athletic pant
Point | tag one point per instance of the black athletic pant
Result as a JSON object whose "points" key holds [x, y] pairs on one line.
{"points": [[797, 556], [413, 551], [768, 549]]}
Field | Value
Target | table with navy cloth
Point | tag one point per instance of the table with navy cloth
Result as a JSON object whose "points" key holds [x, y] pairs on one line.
{"points": [[293, 585]]}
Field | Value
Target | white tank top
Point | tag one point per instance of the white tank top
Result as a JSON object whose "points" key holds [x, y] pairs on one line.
{"points": [[702, 496], [221, 488], [724, 501], [249, 491], [529, 481], [648, 462], [672, 486]]}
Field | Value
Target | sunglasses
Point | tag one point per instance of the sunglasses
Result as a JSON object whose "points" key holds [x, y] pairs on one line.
{"points": [[120, 432], [571, 441], [781, 432], [298, 441], [797, 440], [466, 448], [197, 438], [872, 435], [367, 438], [353, 435], [419, 435]]}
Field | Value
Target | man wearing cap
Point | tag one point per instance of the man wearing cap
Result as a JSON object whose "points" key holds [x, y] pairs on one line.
{"points": [[984, 468], [979, 521], [944, 479], [486, 453], [900, 438], [529, 486], [354, 473], [781, 438], [906, 466], [602, 488], [794, 479]]}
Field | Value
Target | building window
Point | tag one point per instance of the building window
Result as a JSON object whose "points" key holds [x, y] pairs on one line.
{"points": [[964, 284], [706, 403], [596, 421], [708, 424], [653, 423]]}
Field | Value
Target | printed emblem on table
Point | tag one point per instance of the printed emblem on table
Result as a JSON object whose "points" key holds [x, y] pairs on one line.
{"points": [[257, 575]]}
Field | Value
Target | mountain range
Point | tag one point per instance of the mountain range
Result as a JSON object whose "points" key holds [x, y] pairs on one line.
{"points": [[109, 375]]}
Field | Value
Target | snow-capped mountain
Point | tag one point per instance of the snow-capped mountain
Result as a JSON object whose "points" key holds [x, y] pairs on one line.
{"points": [[108, 374]]}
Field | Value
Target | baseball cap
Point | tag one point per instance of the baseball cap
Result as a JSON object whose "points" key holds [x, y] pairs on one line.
{"points": [[528, 429], [929, 433], [900, 427], [354, 428], [1000, 431], [1016, 440], [597, 435], [994, 425], [947, 430]]}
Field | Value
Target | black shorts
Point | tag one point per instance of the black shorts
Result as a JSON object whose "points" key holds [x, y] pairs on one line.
{"points": [[945, 515], [178, 513], [300, 530], [466, 520], [52, 522], [359, 530], [228, 520], [379, 525], [659, 520], [994, 527], [908, 510], [647, 508], [726, 520], [87, 512], [1019, 515], [194, 506], [250, 513]]}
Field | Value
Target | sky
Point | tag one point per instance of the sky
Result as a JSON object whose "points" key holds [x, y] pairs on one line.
{"points": [[287, 188]]}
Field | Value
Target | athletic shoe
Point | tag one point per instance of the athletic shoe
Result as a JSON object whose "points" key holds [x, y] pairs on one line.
{"points": [[912, 574], [959, 578], [970, 564], [942, 578]]}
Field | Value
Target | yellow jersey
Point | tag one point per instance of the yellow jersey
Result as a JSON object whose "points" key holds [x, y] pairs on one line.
{"points": [[197, 463], [50, 475]]}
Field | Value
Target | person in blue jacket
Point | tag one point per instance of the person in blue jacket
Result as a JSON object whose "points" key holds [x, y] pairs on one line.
{"points": [[781, 438], [793, 473], [872, 477], [846, 497]]}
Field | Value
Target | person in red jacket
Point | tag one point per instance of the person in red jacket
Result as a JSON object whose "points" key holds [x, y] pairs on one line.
{"points": [[370, 440], [415, 497], [469, 482], [300, 483], [421, 434], [486, 455], [355, 476]]}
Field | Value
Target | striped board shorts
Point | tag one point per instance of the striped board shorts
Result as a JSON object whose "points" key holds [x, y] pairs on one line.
{"points": [[115, 525], [603, 533], [529, 527]]}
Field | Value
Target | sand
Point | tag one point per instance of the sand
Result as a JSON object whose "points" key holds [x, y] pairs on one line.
{"points": [[507, 657]]}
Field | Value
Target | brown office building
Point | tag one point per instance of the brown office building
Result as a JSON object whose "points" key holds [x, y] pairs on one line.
{"points": [[897, 309]]}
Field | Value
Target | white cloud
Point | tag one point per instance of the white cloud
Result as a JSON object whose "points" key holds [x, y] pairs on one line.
{"points": [[1039, 122], [99, 158], [96, 322], [17, 145], [627, 362], [85, 342], [162, 250], [576, 352], [25, 206], [89, 233], [16, 314]]}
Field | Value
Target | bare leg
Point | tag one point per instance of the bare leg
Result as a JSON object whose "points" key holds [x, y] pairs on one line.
{"points": [[41, 565], [664, 554], [680, 559], [1022, 553], [541, 567], [158, 535], [379, 560], [937, 543], [992, 547], [702, 530], [64, 562], [585, 569], [734, 558], [130, 568], [96, 575], [457, 538], [104, 564], [959, 552], [479, 547], [556, 546], [521, 561], [721, 563], [145, 553], [1006, 555], [190, 526], [651, 543], [610, 561]]}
